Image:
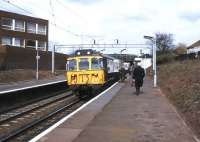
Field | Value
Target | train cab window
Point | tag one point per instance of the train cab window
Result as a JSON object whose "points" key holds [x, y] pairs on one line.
{"points": [[83, 64], [97, 63], [71, 65]]}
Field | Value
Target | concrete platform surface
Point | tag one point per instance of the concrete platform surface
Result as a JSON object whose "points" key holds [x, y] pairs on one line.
{"points": [[129, 118], [148, 117], [24, 84]]}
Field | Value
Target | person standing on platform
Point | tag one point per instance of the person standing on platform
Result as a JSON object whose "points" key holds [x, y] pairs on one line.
{"points": [[122, 74], [138, 75], [131, 69]]}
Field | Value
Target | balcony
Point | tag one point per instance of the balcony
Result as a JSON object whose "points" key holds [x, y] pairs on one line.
{"points": [[18, 42], [6, 40], [31, 28], [7, 23], [19, 26], [41, 29]]}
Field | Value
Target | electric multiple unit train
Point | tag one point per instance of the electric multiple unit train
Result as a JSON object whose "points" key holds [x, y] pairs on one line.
{"points": [[88, 70]]}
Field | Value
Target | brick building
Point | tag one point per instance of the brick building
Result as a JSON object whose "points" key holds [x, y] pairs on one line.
{"points": [[23, 31]]}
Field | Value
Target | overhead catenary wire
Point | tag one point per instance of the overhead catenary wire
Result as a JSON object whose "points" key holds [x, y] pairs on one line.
{"points": [[72, 11], [8, 1], [49, 11], [3, 8], [40, 8], [52, 23], [55, 22], [80, 17]]}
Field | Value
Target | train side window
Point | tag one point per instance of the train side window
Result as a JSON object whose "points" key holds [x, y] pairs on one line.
{"points": [[84, 64], [71, 65], [101, 63], [96, 63]]}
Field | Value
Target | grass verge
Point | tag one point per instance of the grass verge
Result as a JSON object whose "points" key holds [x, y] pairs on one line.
{"points": [[11, 76], [180, 81]]}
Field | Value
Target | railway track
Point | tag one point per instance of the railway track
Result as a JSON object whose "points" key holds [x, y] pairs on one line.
{"points": [[20, 120], [22, 124], [18, 98]]}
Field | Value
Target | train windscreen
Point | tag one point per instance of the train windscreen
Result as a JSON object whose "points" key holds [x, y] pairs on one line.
{"points": [[96, 63], [84, 64], [71, 65]]}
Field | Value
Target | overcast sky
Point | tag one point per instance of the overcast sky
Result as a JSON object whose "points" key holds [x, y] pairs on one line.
{"points": [[106, 20]]}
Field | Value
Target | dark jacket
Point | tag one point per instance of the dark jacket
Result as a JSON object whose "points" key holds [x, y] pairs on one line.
{"points": [[138, 75]]}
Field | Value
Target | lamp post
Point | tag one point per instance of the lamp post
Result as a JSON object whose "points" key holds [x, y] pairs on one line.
{"points": [[94, 41], [37, 65], [53, 59], [117, 41], [121, 55], [102, 50], [122, 51], [154, 59]]}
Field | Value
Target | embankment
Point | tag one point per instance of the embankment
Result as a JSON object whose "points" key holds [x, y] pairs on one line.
{"points": [[180, 81]]}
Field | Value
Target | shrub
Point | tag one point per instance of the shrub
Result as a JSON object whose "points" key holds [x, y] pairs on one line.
{"points": [[165, 58]]}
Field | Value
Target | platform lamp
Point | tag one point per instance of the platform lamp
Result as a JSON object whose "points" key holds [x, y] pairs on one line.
{"points": [[121, 54], [154, 59], [117, 41], [37, 63], [93, 42], [102, 50]]}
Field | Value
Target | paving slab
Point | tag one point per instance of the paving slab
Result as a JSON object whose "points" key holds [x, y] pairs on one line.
{"points": [[148, 117]]}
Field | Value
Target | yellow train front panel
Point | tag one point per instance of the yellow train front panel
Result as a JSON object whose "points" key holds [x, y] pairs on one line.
{"points": [[89, 77]]}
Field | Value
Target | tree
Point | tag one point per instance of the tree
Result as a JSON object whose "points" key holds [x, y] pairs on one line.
{"points": [[181, 48], [164, 42]]}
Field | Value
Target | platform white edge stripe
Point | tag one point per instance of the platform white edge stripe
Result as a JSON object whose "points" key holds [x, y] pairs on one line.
{"points": [[29, 87], [68, 116]]}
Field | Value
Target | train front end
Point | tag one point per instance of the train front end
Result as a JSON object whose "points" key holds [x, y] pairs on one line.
{"points": [[85, 72]]}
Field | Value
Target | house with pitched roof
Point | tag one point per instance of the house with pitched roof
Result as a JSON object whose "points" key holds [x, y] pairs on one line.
{"points": [[194, 48]]}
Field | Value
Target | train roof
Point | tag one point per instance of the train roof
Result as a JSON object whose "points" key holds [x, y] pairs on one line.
{"points": [[110, 57], [90, 52], [85, 52]]}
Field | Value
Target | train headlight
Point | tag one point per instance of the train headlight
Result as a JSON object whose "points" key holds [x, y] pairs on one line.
{"points": [[88, 52]]}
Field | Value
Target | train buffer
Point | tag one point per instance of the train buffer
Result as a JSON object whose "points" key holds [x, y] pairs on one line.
{"points": [[120, 116]]}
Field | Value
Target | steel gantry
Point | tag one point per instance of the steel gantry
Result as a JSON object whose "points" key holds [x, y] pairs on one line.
{"points": [[103, 47]]}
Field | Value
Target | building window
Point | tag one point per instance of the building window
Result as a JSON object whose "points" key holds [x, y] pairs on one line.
{"points": [[41, 44], [19, 42], [19, 25], [31, 43], [6, 40], [31, 27], [41, 29], [6, 23]]}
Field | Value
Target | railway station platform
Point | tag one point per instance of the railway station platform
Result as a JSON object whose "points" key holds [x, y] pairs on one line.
{"points": [[20, 85], [118, 115]]}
